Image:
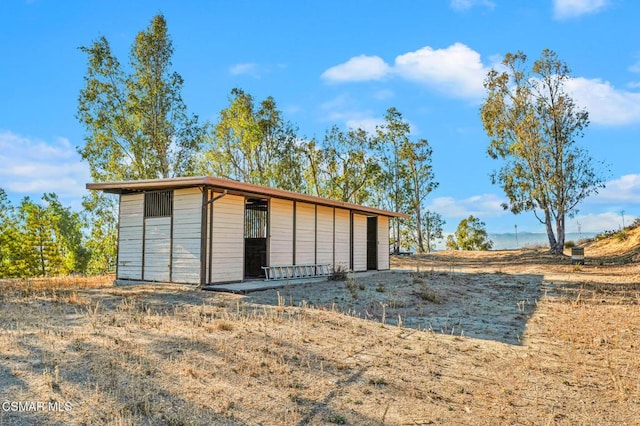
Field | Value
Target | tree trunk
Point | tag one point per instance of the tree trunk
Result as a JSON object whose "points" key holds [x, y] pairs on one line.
{"points": [[560, 231], [419, 230], [552, 238]]}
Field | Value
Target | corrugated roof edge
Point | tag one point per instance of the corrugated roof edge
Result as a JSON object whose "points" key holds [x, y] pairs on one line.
{"points": [[232, 186]]}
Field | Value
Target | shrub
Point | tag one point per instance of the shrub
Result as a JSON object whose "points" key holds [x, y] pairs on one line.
{"points": [[339, 273], [569, 244]]}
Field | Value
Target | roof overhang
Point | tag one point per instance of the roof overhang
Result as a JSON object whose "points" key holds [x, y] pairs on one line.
{"points": [[232, 187]]}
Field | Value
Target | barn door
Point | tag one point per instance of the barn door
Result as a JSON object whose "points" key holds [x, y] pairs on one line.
{"points": [[157, 236]]}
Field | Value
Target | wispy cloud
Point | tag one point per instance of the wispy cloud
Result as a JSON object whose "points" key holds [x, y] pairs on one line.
{"points": [[463, 5], [358, 68], [566, 9], [606, 104], [33, 167], [483, 206], [456, 70], [624, 190], [598, 222], [250, 69]]}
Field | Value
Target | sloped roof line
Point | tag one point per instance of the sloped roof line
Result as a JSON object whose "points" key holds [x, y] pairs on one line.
{"points": [[232, 186]]}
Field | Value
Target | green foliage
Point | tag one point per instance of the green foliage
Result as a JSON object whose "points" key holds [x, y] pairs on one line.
{"points": [[470, 235], [342, 167], [533, 125], [569, 244], [40, 239], [254, 145], [136, 123]]}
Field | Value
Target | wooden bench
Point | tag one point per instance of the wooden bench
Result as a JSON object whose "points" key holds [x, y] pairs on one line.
{"points": [[283, 272]]}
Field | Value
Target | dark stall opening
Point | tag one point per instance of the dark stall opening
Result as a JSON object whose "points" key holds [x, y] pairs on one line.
{"points": [[256, 222], [372, 243]]}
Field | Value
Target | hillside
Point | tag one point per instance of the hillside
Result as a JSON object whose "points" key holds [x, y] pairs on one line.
{"points": [[620, 247]]}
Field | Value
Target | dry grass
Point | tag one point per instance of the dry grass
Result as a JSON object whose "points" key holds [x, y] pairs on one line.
{"points": [[165, 355]]}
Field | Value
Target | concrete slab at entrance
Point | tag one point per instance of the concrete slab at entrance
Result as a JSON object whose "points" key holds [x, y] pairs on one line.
{"points": [[259, 285]]}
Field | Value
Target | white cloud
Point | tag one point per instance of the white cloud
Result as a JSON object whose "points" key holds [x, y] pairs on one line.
{"points": [[358, 68], [463, 5], [483, 206], [368, 124], [456, 70], [598, 222], [32, 167], [606, 104], [565, 9], [635, 67], [250, 69], [622, 191]]}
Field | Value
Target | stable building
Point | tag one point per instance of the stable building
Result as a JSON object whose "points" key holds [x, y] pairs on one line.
{"points": [[205, 230]]}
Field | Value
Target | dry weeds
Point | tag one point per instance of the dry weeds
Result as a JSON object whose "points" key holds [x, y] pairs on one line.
{"points": [[166, 355]]}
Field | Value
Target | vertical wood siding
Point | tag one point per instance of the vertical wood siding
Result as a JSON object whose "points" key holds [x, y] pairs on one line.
{"points": [[342, 239], [305, 233], [228, 239], [324, 235], [130, 236], [359, 242], [281, 232], [383, 243], [187, 213], [157, 248]]}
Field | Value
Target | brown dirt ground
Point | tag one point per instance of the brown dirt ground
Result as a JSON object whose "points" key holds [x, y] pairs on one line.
{"points": [[513, 337]]}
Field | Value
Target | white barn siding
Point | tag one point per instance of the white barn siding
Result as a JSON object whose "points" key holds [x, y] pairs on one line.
{"points": [[131, 222], [325, 235], [187, 215], [342, 239], [359, 242], [157, 248], [305, 233], [383, 242], [227, 248], [281, 232]]}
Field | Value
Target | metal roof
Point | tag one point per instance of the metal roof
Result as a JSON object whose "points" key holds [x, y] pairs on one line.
{"points": [[232, 187]]}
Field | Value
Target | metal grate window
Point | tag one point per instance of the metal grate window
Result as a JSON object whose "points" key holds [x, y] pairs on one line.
{"points": [[255, 219], [158, 204]]}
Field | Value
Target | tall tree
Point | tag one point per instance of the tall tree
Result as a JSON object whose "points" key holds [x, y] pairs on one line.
{"points": [[533, 125], [254, 144], [136, 124], [433, 223], [342, 167], [136, 121], [390, 138], [418, 176]]}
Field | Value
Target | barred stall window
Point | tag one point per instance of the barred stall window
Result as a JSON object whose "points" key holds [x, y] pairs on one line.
{"points": [[255, 219], [158, 204]]}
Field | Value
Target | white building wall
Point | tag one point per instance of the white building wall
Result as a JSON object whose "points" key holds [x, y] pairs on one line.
{"points": [[342, 239], [280, 232], [305, 233], [131, 222], [157, 248], [324, 235], [359, 242], [383, 242], [187, 216], [228, 239]]}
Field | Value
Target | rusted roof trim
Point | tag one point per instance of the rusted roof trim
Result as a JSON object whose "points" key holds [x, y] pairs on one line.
{"points": [[234, 187]]}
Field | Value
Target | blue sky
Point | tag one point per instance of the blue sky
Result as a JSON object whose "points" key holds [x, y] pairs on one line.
{"points": [[335, 62]]}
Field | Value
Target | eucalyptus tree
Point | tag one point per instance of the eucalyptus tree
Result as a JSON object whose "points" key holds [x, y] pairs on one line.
{"points": [[390, 138], [471, 234], [533, 124], [419, 181], [136, 124], [254, 143]]}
